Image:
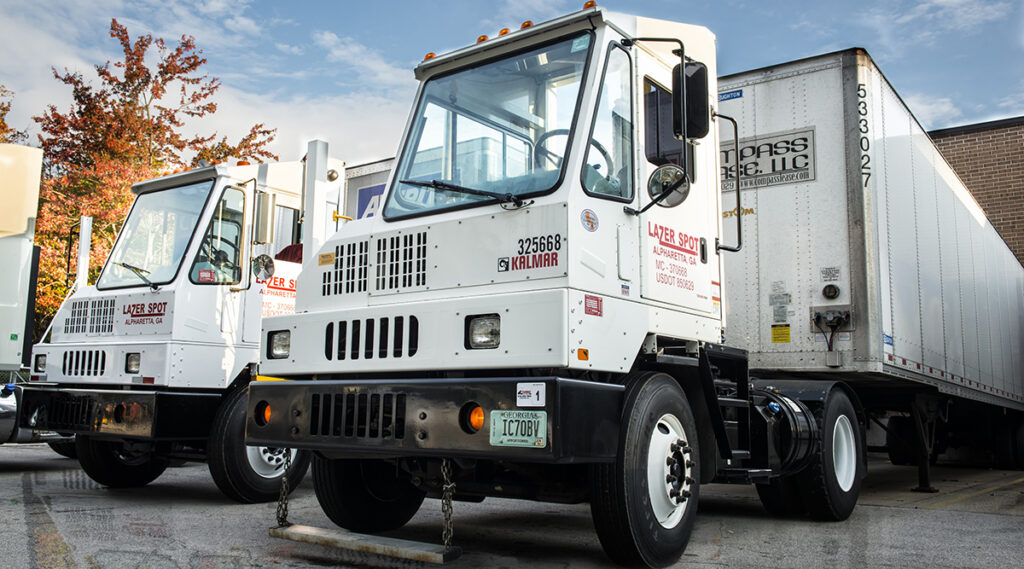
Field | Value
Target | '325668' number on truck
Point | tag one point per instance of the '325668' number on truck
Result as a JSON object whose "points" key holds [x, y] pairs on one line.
{"points": [[540, 244]]}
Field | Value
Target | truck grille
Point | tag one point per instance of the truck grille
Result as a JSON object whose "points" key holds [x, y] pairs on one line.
{"points": [[84, 363], [400, 261], [358, 415], [372, 338], [94, 316], [71, 413], [348, 275]]}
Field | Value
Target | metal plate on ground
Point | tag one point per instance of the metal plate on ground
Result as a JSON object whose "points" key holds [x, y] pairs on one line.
{"points": [[375, 544], [515, 428]]}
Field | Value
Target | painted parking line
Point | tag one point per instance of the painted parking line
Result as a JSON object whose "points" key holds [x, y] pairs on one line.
{"points": [[972, 494]]}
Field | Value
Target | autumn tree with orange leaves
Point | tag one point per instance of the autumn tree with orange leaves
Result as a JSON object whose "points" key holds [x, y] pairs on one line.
{"points": [[7, 133], [133, 125]]}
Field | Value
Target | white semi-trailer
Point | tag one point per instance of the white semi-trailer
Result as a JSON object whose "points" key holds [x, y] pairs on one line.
{"points": [[866, 259], [152, 362], [537, 310]]}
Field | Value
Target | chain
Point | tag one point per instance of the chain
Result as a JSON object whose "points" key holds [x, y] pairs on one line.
{"points": [[447, 490], [282, 499]]}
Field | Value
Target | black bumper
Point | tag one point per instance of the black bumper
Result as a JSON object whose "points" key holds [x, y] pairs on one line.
{"points": [[391, 418], [149, 415]]}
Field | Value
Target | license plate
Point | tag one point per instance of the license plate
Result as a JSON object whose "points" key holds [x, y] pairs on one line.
{"points": [[514, 428]]}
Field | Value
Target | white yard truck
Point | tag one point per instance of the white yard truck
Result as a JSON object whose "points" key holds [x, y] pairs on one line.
{"points": [[536, 311], [151, 364]]}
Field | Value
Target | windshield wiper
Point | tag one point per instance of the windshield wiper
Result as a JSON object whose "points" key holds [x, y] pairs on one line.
{"points": [[503, 199], [139, 273]]}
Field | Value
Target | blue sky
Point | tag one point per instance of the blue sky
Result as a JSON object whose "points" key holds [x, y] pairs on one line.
{"points": [[342, 70]]}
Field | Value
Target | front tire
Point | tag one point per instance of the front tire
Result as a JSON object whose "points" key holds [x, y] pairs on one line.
{"points": [[110, 464], [366, 496], [831, 483], [248, 474], [64, 448], [645, 503]]}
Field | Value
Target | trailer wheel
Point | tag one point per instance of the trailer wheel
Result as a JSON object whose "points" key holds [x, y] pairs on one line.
{"points": [[248, 474], [64, 448], [645, 503], [111, 464], [366, 496], [831, 483], [781, 497]]}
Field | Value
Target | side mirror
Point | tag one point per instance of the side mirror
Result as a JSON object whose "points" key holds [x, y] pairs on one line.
{"points": [[697, 114], [263, 224]]}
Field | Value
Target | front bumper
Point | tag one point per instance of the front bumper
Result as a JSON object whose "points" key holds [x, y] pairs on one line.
{"points": [[146, 415], [422, 417]]}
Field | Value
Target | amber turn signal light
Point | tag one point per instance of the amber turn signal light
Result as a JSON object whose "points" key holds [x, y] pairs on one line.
{"points": [[262, 415], [471, 418]]}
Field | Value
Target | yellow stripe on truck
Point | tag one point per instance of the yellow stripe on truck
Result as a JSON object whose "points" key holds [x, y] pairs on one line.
{"points": [[269, 378]]}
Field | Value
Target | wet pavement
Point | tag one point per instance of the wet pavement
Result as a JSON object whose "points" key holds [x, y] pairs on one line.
{"points": [[57, 518]]}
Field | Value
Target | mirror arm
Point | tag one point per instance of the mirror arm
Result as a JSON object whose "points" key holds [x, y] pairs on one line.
{"points": [[739, 206], [661, 197]]}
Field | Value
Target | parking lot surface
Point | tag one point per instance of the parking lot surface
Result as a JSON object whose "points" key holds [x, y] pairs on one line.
{"points": [[57, 518]]}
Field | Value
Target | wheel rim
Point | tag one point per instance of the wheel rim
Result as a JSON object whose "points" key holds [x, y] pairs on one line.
{"points": [[268, 462], [669, 470], [844, 453]]}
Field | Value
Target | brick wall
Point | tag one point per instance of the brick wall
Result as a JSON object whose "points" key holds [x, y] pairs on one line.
{"points": [[989, 158]]}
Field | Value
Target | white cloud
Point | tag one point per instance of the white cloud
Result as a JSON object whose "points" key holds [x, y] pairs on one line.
{"points": [[356, 135], [288, 49], [371, 66], [242, 25], [924, 22], [933, 112]]}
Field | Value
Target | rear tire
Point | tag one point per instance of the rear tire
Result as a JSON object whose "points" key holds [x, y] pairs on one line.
{"points": [[781, 497], [365, 496], [64, 448], [108, 463], [831, 483], [633, 500], [248, 474]]}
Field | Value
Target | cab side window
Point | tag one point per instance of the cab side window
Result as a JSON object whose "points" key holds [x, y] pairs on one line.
{"points": [[220, 252], [608, 170], [660, 144]]}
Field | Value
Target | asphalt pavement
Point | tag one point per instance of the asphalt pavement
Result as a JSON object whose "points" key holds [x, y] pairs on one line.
{"points": [[57, 518]]}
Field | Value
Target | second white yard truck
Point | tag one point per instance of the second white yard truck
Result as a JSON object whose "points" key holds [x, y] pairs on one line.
{"points": [[539, 308], [151, 364]]}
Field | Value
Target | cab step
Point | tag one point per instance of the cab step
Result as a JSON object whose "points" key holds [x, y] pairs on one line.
{"points": [[373, 544]]}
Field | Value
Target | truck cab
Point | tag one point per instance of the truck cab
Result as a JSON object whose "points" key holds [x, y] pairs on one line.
{"points": [[535, 312], [151, 362]]}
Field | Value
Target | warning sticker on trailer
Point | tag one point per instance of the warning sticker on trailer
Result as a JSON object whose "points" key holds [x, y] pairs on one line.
{"points": [[780, 334]]}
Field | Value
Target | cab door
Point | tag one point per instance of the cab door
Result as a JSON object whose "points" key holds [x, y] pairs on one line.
{"points": [[678, 261]]}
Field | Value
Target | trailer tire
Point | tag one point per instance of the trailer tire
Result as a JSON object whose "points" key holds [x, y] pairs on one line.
{"points": [[108, 463], [781, 497], [364, 495], [636, 515], [248, 474], [64, 448], [831, 483]]}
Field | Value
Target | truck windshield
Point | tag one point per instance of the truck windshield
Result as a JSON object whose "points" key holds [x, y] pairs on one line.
{"points": [[155, 236], [500, 128]]}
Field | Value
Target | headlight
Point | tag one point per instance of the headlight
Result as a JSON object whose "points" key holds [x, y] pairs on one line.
{"points": [[483, 331], [279, 344], [132, 362], [40, 365]]}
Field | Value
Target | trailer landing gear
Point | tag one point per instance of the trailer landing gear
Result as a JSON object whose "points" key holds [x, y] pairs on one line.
{"points": [[924, 412]]}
